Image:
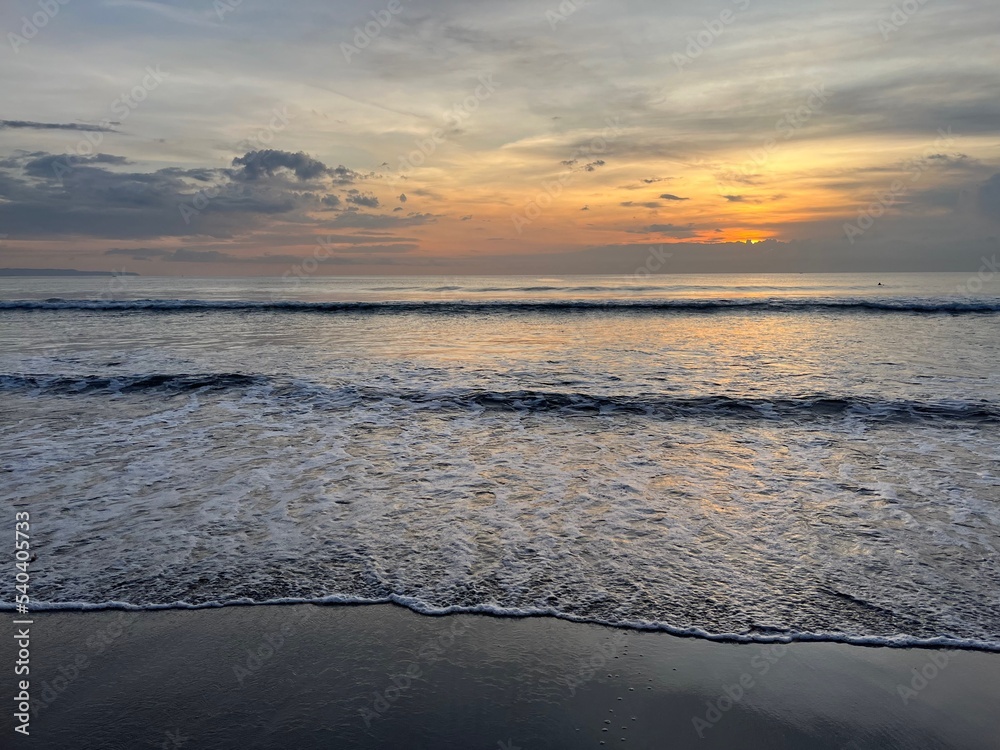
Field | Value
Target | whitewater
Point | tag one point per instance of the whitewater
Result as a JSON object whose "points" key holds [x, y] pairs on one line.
{"points": [[740, 458]]}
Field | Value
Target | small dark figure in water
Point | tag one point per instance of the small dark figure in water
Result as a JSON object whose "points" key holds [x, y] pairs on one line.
{"points": [[880, 283]]}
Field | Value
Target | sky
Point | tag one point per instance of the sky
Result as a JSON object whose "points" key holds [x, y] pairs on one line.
{"points": [[246, 137]]}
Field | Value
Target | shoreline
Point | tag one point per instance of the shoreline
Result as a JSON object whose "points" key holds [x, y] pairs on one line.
{"points": [[874, 641], [381, 675]]}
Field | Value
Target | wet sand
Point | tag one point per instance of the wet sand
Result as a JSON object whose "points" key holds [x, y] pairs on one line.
{"points": [[304, 676]]}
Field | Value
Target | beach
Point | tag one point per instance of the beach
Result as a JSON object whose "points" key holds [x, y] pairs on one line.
{"points": [[500, 376], [380, 676]]}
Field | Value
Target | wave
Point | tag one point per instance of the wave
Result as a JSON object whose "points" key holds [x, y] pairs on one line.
{"points": [[761, 635], [129, 383], [912, 306], [526, 401]]}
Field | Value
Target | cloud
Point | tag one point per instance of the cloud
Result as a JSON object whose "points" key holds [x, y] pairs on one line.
{"points": [[424, 193], [362, 199], [26, 124], [180, 255], [51, 195], [672, 230], [734, 198], [672, 197], [266, 163], [950, 160], [56, 165], [188, 17], [646, 204], [139, 253], [360, 220], [342, 175], [183, 255], [594, 165], [401, 247], [402, 197]]}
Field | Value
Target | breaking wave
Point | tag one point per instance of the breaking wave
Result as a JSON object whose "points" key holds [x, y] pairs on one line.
{"points": [[912, 306], [347, 395]]}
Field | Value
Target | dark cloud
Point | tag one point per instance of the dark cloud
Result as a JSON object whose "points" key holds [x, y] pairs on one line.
{"points": [[51, 195], [268, 162], [358, 198], [739, 179], [139, 253], [424, 193], [951, 160], [646, 204], [672, 197], [183, 255], [734, 198], [402, 197], [378, 221], [400, 247], [180, 255], [331, 260], [28, 125], [589, 167], [672, 230], [56, 165], [342, 175]]}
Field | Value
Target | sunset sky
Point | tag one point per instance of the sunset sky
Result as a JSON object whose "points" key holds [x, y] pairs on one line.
{"points": [[418, 136]]}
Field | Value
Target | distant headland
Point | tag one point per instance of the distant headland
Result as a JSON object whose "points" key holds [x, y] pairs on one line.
{"points": [[58, 272]]}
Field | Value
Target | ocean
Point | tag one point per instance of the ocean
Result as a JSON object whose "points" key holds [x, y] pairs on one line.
{"points": [[747, 458]]}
